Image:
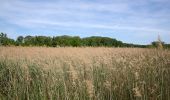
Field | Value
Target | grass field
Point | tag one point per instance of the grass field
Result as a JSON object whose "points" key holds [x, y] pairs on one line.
{"points": [[41, 73]]}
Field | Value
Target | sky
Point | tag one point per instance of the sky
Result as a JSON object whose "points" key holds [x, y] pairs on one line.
{"points": [[131, 21]]}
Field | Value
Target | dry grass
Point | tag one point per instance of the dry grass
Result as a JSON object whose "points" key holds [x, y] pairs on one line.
{"points": [[42, 73]]}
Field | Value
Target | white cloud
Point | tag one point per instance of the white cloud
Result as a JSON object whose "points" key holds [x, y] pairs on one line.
{"points": [[113, 15]]}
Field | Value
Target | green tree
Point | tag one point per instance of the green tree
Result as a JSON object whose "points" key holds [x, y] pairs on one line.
{"points": [[29, 41], [4, 40], [75, 41], [20, 40]]}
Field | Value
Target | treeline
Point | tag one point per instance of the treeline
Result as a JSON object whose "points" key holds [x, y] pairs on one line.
{"points": [[159, 43], [63, 41]]}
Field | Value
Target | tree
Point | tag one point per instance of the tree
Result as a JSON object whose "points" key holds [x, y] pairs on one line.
{"points": [[75, 41], [4, 40], [29, 40], [20, 40], [101, 41]]}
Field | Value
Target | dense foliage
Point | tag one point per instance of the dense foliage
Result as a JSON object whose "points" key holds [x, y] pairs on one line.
{"points": [[72, 41], [4, 40]]}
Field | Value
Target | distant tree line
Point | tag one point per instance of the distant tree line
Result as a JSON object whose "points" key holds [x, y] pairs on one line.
{"points": [[63, 41], [156, 44]]}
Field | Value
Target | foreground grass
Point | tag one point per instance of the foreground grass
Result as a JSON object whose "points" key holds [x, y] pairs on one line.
{"points": [[84, 74]]}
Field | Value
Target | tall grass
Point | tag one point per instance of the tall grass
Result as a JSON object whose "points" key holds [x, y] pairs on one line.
{"points": [[84, 74]]}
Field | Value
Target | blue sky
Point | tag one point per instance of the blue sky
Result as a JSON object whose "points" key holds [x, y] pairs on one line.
{"points": [[131, 21]]}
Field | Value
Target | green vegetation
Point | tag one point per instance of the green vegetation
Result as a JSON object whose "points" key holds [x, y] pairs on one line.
{"points": [[4, 40], [72, 41]]}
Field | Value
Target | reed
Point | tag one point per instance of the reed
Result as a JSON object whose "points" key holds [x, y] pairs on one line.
{"points": [[41, 73]]}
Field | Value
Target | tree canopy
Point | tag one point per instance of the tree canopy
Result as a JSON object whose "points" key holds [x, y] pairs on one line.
{"points": [[72, 41]]}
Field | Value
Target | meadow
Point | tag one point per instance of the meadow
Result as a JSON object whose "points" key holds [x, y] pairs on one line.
{"points": [[84, 73]]}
